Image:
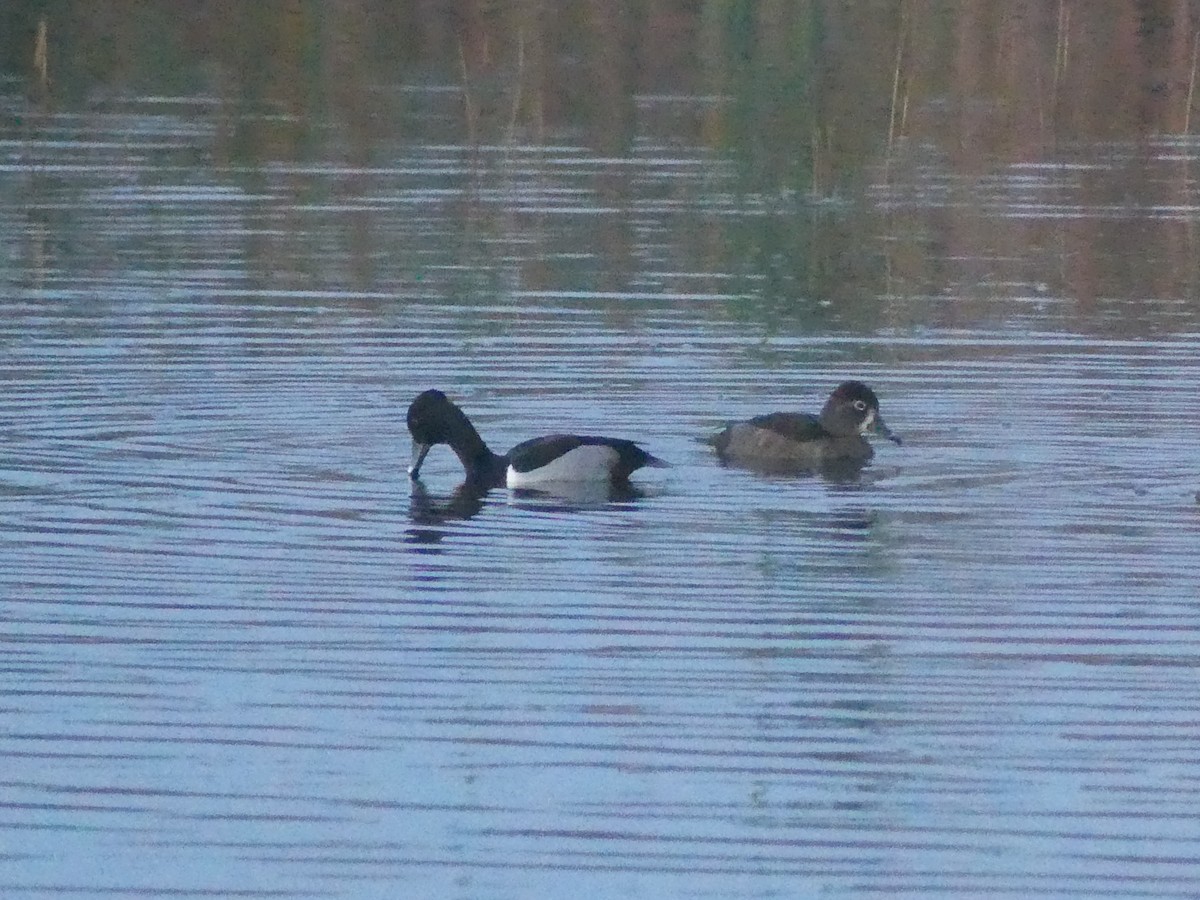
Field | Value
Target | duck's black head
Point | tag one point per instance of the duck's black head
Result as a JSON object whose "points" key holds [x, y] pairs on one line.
{"points": [[434, 419], [430, 416], [853, 409]]}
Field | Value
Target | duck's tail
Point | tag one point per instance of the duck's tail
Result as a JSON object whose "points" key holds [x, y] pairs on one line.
{"points": [[655, 463]]}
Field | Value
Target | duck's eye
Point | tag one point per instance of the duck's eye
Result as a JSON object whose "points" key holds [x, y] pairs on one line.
{"points": [[860, 405]]}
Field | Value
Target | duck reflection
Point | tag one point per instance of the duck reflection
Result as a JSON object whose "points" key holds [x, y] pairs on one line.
{"points": [[844, 472], [430, 513], [576, 495]]}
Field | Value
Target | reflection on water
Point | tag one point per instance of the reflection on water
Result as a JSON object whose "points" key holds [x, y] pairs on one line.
{"points": [[463, 502], [248, 657], [569, 496]]}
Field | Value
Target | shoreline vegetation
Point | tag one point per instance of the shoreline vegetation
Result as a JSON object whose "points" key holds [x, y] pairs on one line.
{"points": [[827, 79]]}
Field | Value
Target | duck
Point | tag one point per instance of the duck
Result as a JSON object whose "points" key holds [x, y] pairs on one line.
{"points": [[794, 442], [433, 418]]}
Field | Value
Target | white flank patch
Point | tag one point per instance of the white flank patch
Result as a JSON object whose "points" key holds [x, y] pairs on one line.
{"points": [[591, 462]]}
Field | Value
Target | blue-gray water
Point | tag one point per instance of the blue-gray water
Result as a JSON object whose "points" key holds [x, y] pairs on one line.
{"points": [[243, 656]]}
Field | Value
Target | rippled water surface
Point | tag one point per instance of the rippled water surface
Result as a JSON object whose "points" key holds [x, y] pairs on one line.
{"points": [[244, 656]]}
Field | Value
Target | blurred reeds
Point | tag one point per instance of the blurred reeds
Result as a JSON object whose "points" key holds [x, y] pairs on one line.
{"points": [[801, 91]]}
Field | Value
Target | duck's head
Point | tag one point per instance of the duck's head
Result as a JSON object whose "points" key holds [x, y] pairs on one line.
{"points": [[433, 419], [853, 409]]}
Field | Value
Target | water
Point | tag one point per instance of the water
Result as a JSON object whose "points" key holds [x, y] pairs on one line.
{"points": [[246, 657]]}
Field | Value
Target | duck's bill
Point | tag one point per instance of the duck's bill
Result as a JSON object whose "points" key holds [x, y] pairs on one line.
{"points": [[419, 452], [881, 429]]}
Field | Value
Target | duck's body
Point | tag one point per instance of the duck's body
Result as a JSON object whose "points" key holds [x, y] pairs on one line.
{"points": [[789, 440], [786, 441], [555, 459], [574, 457]]}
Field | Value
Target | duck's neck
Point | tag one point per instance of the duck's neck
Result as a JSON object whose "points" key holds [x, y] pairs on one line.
{"points": [[833, 424], [480, 463], [829, 426]]}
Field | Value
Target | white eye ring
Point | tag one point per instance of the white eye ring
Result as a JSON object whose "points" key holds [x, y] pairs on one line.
{"points": [[860, 405]]}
